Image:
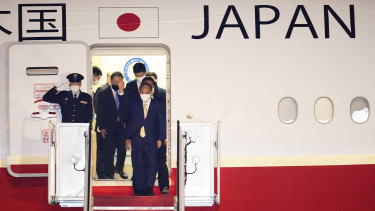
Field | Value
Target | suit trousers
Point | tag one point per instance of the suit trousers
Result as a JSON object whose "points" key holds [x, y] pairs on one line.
{"points": [[115, 140], [163, 176], [101, 153], [144, 161]]}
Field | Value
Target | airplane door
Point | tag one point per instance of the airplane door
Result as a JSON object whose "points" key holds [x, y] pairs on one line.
{"points": [[33, 69]]}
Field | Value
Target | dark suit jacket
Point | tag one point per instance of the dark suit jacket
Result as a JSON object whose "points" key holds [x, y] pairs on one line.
{"points": [[101, 88], [72, 110], [161, 95], [131, 94], [154, 123], [131, 90], [107, 113]]}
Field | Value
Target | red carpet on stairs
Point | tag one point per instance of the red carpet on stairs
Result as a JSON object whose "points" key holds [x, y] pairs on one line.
{"points": [[135, 201], [122, 196], [128, 190], [124, 191]]}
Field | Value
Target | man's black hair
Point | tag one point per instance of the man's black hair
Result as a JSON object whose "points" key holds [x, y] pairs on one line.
{"points": [[145, 84], [96, 71], [117, 74], [152, 74], [149, 79], [139, 67]]}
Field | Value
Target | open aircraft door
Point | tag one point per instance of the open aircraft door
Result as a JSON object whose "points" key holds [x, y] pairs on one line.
{"points": [[33, 69]]}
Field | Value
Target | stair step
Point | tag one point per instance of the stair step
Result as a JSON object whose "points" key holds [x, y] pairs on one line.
{"points": [[134, 203], [132, 208], [123, 191]]}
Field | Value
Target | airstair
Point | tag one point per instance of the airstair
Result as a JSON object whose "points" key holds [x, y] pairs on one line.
{"points": [[195, 183]]}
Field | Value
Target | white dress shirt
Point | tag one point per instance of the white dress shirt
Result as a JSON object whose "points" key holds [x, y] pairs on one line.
{"points": [[138, 84]]}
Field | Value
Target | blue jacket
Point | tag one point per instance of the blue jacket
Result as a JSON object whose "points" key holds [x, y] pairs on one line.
{"points": [[155, 126]]}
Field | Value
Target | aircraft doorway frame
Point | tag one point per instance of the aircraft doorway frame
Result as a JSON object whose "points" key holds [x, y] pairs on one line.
{"points": [[143, 49]]}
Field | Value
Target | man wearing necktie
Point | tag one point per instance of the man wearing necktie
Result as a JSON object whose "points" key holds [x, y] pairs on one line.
{"points": [[145, 130], [76, 106], [110, 128], [132, 88], [160, 94]]}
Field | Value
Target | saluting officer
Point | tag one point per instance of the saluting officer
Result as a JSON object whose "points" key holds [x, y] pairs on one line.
{"points": [[76, 106]]}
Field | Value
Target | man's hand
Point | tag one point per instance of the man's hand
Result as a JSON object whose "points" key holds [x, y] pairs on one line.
{"points": [[103, 132], [62, 86], [124, 125], [128, 143], [159, 143], [121, 86]]}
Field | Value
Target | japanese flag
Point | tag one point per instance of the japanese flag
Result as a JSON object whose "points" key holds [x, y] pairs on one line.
{"points": [[128, 22]]}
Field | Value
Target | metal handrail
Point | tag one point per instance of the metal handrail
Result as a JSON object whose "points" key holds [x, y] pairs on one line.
{"points": [[180, 171], [217, 198], [88, 169], [52, 163]]}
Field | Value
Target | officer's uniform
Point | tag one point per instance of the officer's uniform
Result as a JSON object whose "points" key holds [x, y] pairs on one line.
{"points": [[76, 109]]}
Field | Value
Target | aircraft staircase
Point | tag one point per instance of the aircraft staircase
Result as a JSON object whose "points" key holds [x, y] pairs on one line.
{"points": [[117, 195]]}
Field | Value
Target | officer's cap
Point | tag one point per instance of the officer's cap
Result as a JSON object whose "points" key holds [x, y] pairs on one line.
{"points": [[75, 77]]}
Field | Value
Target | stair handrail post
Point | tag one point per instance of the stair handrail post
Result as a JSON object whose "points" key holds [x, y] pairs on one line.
{"points": [[87, 192], [180, 170]]}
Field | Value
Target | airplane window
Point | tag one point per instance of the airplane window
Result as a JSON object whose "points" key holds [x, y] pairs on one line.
{"points": [[288, 110], [359, 110], [323, 110]]}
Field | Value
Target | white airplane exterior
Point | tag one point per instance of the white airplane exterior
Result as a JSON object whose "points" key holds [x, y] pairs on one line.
{"points": [[289, 84]]}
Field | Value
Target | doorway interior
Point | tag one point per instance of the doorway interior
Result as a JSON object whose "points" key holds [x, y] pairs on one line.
{"points": [[110, 58]]}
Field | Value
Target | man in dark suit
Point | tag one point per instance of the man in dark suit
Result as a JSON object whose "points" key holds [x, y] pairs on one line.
{"points": [[98, 90], [76, 106], [145, 130], [131, 90], [100, 150], [111, 124], [160, 95]]}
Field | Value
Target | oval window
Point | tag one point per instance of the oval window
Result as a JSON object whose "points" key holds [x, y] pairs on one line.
{"points": [[359, 110], [288, 110], [323, 110]]}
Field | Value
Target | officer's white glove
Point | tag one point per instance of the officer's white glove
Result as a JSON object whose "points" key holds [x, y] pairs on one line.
{"points": [[62, 86]]}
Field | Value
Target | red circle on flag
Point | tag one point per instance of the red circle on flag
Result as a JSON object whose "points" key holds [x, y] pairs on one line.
{"points": [[128, 22]]}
